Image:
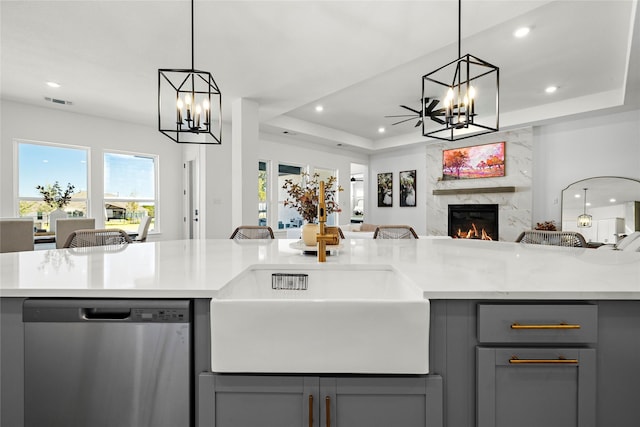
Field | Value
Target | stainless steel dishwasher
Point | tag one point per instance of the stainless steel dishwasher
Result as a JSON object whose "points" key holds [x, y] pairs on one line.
{"points": [[107, 362]]}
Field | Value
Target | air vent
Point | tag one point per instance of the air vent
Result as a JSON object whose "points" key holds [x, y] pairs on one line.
{"points": [[58, 101]]}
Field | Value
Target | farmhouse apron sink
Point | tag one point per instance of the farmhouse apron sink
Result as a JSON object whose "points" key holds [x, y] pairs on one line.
{"points": [[320, 319]]}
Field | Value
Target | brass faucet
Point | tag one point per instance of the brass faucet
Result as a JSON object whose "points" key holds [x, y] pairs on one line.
{"points": [[322, 237]]}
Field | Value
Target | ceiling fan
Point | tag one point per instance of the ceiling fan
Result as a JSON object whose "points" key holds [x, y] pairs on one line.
{"points": [[429, 110]]}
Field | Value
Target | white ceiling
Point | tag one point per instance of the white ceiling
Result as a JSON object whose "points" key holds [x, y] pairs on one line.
{"points": [[359, 59]]}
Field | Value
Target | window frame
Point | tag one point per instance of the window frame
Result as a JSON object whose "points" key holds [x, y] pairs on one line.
{"points": [[156, 178], [16, 173], [267, 178]]}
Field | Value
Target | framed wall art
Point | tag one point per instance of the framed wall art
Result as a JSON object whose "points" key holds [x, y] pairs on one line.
{"points": [[385, 190], [408, 188], [478, 161]]}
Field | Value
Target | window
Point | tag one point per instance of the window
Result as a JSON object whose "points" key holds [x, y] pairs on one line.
{"points": [[130, 190], [263, 184], [288, 217], [324, 175], [41, 164]]}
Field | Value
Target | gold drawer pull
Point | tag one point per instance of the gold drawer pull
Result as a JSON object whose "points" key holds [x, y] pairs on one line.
{"points": [[563, 325], [311, 410], [327, 403], [559, 360]]}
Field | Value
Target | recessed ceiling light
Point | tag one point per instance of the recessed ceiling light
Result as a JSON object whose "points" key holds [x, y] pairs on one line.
{"points": [[381, 130], [577, 196], [521, 32], [53, 84], [612, 200], [551, 89], [588, 204], [319, 108]]}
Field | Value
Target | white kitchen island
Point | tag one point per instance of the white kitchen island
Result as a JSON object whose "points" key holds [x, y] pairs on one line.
{"points": [[444, 269], [582, 308]]}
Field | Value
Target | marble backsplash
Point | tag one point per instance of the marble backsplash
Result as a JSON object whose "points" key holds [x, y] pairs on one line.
{"points": [[514, 209]]}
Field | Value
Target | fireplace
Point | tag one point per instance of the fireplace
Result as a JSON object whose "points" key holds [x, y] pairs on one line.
{"points": [[473, 221]]}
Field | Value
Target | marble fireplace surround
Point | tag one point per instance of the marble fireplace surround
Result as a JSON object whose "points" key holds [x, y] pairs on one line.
{"points": [[512, 192]]}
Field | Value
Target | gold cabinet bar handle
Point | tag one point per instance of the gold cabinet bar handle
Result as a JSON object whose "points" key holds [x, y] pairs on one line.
{"points": [[327, 403], [517, 325], [311, 410], [560, 360]]}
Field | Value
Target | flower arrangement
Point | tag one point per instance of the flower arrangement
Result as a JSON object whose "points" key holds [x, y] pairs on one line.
{"points": [[54, 196], [304, 198]]}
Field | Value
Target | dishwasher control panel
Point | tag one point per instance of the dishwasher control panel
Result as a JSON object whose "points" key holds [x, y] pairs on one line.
{"points": [[164, 315]]}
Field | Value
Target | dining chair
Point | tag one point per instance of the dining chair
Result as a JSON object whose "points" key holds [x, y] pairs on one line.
{"points": [[252, 232], [143, 229], [394, 232], [16, 234], [97, 237], [553, 238], [65, 226]]}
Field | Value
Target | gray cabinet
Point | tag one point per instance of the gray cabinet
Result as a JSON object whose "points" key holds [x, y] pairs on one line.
{"points": [[538, 370], [312, 401], [533, 387]]}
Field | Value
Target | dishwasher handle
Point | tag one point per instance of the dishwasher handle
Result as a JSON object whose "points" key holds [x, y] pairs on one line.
{"points": [[106, 313]]}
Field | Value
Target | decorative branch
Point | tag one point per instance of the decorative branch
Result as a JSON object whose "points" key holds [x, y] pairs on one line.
{"points": [[304, 198], [54, 196]]}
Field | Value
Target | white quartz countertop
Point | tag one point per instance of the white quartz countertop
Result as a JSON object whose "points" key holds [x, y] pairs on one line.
{"points": [[443, 268]]}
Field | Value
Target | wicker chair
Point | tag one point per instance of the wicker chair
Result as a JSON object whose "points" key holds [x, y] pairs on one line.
{"points": [[553, 238], [65, 226], [97, 237], [252, 232], [394, 232]]}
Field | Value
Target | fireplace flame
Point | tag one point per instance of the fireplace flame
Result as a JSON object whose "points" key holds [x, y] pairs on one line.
{"points": [[473, 233]]}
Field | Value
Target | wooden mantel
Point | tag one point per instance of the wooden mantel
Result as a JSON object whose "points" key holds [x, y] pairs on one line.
{"points": [[478, 190]]}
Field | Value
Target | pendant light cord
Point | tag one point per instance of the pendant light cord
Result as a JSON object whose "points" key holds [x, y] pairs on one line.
{"points": [[459, 27], [192, 38]]}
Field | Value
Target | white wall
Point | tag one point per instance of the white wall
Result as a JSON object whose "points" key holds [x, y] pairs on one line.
{"points": [[275, 150], [25, 122], [216, 192], [411, 158], [607, 145]]}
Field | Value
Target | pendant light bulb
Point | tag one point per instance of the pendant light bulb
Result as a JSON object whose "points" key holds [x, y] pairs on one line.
{"points": [[472, 93]]}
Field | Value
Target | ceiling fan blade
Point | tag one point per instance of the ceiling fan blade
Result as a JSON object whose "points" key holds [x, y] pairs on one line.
{"points": [[431, 106], [438, 112], [402, 121], [418, 124], [437, 120], [411, 109]]}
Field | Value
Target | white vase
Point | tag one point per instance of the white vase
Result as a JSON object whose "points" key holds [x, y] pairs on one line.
{"points": [[54, 216], [309, 233]]}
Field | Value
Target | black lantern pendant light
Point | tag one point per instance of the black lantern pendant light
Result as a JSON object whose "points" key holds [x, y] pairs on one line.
{"points": [[189, 103], [469, 88], [584, 220]]}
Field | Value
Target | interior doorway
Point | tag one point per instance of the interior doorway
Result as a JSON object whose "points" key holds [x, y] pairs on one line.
{"points": [[358, 189], [192, 199]]}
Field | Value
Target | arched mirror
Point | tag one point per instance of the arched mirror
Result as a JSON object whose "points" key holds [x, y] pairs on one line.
{"points": [[610, 210]]}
